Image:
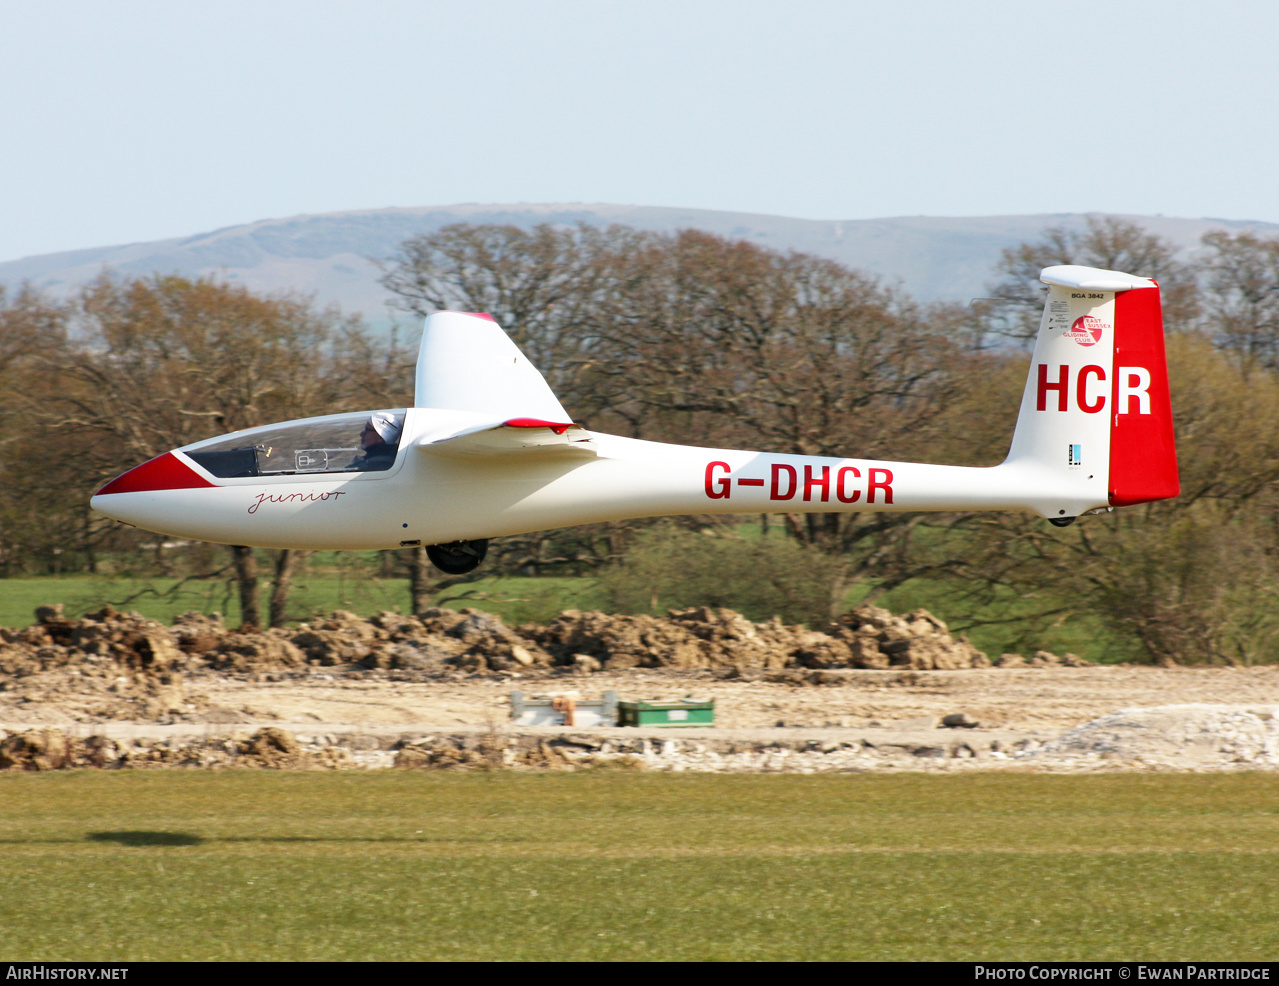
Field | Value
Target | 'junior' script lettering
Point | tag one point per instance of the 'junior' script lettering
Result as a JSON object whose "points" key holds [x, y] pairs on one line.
{"points": [[293, 497]]}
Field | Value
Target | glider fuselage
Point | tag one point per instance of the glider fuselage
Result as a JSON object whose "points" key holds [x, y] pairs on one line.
{"points": [[431, 499]]}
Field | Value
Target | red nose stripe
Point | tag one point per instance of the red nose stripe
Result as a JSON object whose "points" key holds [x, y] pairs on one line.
{"points": [[555, 426], [164, 472]]}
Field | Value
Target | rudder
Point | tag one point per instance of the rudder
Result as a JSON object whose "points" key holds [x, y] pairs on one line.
{"points": [[1143, 453]]}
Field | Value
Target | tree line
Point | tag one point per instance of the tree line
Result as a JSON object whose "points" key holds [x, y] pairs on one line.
{"points": [[697, 339], [126, 370]]}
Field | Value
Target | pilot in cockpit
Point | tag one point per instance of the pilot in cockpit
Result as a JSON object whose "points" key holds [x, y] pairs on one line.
{"points": [[380, 440]]}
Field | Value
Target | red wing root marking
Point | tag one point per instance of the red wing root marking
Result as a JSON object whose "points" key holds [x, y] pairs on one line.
{"points": [[556, 426]]}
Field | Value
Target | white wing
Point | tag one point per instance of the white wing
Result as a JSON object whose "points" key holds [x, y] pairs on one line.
{"points": [[481, 397], [467, 363], [464, 435]]}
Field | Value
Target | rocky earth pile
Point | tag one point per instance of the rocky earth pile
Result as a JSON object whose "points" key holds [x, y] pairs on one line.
{"points": [[1180, 736], [52, 749], [471, 641], [110, 665], [868, 637], [274, 748]]}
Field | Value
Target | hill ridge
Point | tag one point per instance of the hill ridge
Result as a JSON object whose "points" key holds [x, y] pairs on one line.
{"points": [[331, 255]]}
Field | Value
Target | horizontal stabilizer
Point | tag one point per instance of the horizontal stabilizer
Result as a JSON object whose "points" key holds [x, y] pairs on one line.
{"points": [[1093, 279]]}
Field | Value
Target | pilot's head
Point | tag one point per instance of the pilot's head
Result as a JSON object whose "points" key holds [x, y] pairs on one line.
{"points": [[381, 429]]}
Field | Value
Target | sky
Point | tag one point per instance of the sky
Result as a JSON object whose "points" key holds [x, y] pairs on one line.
{"points": [[130, 121]]}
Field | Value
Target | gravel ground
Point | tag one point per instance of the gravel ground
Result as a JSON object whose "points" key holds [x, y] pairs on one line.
{"points": [[1058, 719], [1028, 700]]}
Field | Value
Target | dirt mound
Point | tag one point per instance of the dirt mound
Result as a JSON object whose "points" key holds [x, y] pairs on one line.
{"points": [[438, 640], [1174, 736], [51, 749], [278, 749], [270, 748], [473, 641], [37, 749], [491, 751], [112, 665], [879, 639], [105, 665], [250, 651], [617, 642], [868, 637], [127, 640]]}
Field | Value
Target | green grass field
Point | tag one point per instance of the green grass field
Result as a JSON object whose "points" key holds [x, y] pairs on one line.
{"points": [[257, 865], [515, 600]]}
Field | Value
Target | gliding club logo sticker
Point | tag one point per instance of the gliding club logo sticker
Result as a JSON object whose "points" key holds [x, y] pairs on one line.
{"points": [[1086, 330]]}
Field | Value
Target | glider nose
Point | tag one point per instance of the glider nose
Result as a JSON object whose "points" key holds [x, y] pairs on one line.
{"points": [[164, 472]]}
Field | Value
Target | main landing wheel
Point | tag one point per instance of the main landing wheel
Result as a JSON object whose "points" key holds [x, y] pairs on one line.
{"points": [[459, 557]]}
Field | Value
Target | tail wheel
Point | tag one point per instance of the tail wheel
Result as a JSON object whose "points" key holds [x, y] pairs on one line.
{"points": [[459, 557]]}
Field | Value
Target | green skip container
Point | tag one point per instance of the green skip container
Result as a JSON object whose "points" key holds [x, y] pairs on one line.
{"points": [[685, 713]]}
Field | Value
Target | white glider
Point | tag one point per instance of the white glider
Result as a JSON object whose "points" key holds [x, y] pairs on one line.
{"points": [[488, 451]]}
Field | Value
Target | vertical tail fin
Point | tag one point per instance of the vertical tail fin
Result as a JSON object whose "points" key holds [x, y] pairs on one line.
{"points": [[1096, 421]]}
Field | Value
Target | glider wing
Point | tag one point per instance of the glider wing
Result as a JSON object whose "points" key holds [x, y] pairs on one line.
{"points": [[467, 363], [462, 434], [483, 397]]}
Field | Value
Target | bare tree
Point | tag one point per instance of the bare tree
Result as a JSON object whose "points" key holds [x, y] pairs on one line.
{"points": [[30, 326], [1107, 242], [160, 362], [702, 340], [1242, 296], [724, 343], [540, 285], [286, 562]]}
